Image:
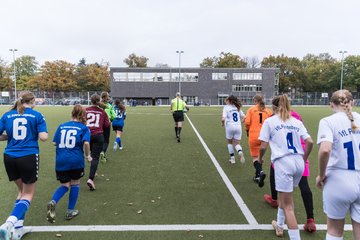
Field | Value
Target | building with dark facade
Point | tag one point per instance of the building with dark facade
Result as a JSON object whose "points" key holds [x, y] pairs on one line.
{"points": [[203, 86]]}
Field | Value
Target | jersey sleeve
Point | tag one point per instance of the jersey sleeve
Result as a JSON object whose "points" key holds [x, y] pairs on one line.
{"points": [[224, 113], [303, 132], [56, 136], [325, 133], [248, 119], [86, 135], [41, 125], [106, 120], [265, 132]]}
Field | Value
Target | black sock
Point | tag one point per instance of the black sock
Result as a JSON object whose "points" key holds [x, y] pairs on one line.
{"points": [[258, 167], [176, 131], [272, 183], [179, 131]]}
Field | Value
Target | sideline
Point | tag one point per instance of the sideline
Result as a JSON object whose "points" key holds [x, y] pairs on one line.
{"points": [[240, 202]]}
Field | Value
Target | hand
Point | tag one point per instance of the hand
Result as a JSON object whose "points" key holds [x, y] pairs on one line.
{"points": [[89, 158], [320, 181]]}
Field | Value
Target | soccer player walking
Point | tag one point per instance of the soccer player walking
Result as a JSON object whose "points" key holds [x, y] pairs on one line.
{"points": [[232, 117], [23, 126], [118, 123], [254, 119], [283, 133], [178, 106], [105, 99], [339, 166], [97, 119], [71, 139]]}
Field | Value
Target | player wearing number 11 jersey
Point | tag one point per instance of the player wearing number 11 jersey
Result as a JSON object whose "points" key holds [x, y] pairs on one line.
{"points": [[339, 165], [97, 120]]}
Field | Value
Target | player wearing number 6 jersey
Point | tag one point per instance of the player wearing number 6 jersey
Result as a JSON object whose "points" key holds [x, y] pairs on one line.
{"points": [[23, 126], [232, 117], [339, 165], [71, 139], [283, 133], [254, 119], [97, 119]]}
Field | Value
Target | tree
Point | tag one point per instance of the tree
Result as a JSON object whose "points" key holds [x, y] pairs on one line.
{"points": [[6, 83], [55, 76], [93, 77], [351, 73], [26, 68], [225, 60], [252, 62], [136, 61]]}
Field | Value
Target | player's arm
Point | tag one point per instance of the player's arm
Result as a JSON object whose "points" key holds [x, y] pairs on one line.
{"points": [[3, 137], [323, 158], [263, 147], [87, 151], [43, 136], [308, 147]]}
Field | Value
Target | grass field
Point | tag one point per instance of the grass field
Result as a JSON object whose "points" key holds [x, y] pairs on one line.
{"points": [[176, 186]]}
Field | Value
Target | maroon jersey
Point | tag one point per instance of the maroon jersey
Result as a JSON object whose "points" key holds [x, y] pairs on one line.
{"points": [[96, 120]]}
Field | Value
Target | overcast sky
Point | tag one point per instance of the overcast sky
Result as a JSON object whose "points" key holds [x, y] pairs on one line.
{"points": [[109, 30]]}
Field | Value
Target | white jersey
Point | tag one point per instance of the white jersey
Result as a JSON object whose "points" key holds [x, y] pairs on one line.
{"points": [[284, 137], [345, 152], [232, 115]]}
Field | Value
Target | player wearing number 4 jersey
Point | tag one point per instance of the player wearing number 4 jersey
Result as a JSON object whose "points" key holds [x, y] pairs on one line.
{"points": [[23, 126], [339, 165], [254, 119], [97, 119], [232, 117], [283, 133], [71, 139]]}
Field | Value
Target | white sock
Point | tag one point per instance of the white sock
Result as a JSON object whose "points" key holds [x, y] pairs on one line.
{"points": [[331, 237], [12, 219], [231, 149], [294, 234], [19, 224], [281, 217], [238, 148]]}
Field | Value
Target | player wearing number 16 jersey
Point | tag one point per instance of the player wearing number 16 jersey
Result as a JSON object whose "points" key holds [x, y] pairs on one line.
{"points": [[232, 117], [339, 165], [23, 126], [97, 119], [283, 133], [71, 139]]}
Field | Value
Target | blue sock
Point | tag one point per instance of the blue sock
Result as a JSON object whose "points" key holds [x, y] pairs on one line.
{"points": [[59, 193], [20, 222], [118, 140], [73, 196], [20, 208]]}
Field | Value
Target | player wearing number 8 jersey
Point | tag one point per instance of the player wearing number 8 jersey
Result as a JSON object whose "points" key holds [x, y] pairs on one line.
{"points": [[254, 119], [71, 139], [97, 119], [339, 165], [283, 133], [23, 126], [232, 117]]}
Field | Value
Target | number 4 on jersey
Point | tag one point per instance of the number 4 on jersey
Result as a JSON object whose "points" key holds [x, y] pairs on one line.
{"points": [[290, 142]]}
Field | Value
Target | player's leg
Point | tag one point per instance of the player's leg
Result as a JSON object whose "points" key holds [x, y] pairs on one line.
{"points": [[307, 198], [356, 229], [71, 212], [272, 199], [335, 229]]}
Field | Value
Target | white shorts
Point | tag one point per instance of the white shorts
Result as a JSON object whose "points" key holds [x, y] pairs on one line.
{"points": [[288, 172], [341, 194], [233, 131]]}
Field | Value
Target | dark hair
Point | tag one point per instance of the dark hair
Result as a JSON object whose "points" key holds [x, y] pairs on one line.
{"points": [[95, 100], [344, 98], [259, 99], [24, 97], [282, 104], [120, 105], [79, 113], [234, 101]]}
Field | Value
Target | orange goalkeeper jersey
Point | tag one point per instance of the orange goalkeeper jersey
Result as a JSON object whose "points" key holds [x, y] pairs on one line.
{"points": [[254, 119]]}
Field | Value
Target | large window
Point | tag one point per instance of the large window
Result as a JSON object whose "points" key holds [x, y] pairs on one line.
{"points": [[247, 88], [190, 77], [247, 76], [163, 77], [120, 76], [190, 99], [219, 76], [134, 76], [148, 77]]}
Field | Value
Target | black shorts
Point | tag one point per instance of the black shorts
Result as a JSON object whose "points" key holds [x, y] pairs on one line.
{"points": [[67, 176], [118, 128], [25, 168], [178, 116]]}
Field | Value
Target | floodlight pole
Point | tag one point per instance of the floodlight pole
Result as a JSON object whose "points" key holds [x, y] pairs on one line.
{"points": [[342, 68], [179, 52], [13, 50]]}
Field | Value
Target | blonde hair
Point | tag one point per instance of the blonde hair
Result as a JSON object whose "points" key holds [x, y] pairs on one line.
{"points": [[282, 105], [79, 113], [260, 101], [344, 98], [24, 97]]}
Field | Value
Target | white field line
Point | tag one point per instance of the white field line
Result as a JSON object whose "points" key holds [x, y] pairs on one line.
{"points": [[240, 202], [181, 227]]}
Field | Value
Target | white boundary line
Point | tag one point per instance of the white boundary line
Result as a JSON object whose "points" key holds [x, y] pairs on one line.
{"points": [[181, 227], [240, 202]]}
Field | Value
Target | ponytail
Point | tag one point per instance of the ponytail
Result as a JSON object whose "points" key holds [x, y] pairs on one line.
{"points": [[24, 98], [260, 102], [344, 98], [282, 105]]}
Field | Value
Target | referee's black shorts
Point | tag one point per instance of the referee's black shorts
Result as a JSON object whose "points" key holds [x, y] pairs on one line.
{"points": [[25, 168], [178, 116]]}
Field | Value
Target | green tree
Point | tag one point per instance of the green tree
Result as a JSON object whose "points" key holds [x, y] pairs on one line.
{"points": [[225, 60], [135, 61], [351, 78], [93, 77], [6, 83], [26, 68]]}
